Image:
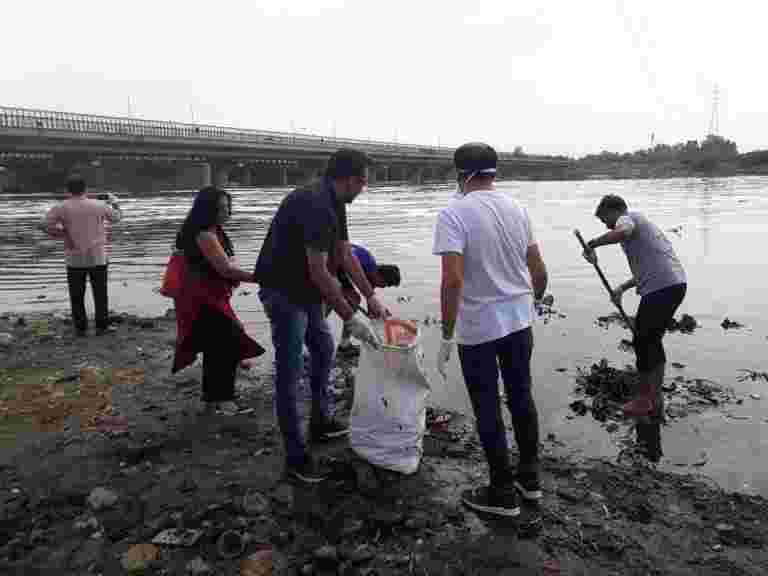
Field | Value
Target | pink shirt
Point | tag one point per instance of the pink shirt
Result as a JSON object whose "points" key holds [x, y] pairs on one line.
{"points": [[81, 221]]}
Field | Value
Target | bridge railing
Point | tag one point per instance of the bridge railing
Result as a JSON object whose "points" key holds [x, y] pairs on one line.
{"points": [[45, 121]]}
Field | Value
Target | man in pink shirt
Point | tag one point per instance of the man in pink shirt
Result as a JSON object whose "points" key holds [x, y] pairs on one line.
{"points": [[79, 220]]}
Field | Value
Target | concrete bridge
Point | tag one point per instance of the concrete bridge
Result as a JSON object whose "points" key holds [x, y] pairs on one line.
{"points": [[38, 148]]}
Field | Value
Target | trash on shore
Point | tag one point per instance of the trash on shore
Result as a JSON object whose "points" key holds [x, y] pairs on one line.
{"points": [[686, 324], [752, 375], [728, 324], [545, 308], [610, 387]]}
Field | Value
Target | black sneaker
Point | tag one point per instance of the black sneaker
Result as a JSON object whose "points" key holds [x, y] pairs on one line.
{"points": [[307, 472], [327, 431], [529, 487], [500, 502]]}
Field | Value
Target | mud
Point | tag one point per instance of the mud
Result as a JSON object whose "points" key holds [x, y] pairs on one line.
{"points": [[217, 480]]}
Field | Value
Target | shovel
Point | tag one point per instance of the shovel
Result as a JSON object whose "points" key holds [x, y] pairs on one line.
{"points": [[607, 286]]}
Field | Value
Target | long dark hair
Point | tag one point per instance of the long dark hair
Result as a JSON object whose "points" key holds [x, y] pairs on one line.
{"points": [[202, 216]]}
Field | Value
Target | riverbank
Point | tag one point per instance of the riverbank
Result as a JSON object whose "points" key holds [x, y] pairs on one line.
{"points": [[103, 412]]}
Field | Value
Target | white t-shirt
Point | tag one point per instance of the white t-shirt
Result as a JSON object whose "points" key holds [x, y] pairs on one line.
{"points": [[493, 232]]}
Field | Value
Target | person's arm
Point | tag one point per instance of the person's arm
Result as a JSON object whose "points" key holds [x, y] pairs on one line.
{"points": [[451, 286], [53, 224], [623, 231], [113, 212], [538, 271], [214, 252], [611, 237], [328, 286]]}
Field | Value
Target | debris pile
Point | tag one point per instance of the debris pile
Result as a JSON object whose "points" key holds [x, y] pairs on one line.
{"points": [[610, 387]]}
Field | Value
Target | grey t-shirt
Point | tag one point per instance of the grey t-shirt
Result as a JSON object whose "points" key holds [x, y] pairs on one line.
{"points": [[652, 259]]}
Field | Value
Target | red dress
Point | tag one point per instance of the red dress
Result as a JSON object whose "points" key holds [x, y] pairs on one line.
{"points": [[198, 292]]}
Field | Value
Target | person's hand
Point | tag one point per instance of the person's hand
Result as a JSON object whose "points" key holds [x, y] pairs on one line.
{"points": [[375, 308], [444, 354], [590, 255], [111, 198], [360, 329], [616, 295]]}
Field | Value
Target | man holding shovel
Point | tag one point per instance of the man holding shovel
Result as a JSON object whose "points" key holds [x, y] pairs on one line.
{"points": [[660, 281]]}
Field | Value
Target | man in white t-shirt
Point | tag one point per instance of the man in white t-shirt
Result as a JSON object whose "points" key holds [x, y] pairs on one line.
{"points": [[491, 271], [660, 280]]}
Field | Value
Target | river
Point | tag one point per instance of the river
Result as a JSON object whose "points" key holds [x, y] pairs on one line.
{"points": [[716, 225]]}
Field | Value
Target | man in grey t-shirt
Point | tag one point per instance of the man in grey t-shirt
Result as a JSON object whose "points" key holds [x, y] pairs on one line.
{"points": [[661, 283]]}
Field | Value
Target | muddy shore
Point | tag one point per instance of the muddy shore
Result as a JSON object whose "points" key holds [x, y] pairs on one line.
{"points": [[101, 449]]}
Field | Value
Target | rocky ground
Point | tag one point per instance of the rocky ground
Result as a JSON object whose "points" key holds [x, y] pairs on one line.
{"points": [[102, 451]]}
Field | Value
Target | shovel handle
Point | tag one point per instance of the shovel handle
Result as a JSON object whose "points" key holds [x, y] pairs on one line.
{"points": [[605, 283]]}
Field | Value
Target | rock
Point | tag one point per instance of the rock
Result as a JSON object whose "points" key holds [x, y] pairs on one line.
{"points": [[724, 528], [255, 503], [351, 526], [101, 498], [6, 339], [140, 557], [196, 567], [86, 524], [362, 553], [571, 494], [21, 321], [579, 406], [90, 553], [728, 324], [417, 522], [258, 564], [283, 495], [326, 556], [230, 544]]}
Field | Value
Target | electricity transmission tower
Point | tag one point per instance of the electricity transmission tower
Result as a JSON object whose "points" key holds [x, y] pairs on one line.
{"points": [[714, 120]]}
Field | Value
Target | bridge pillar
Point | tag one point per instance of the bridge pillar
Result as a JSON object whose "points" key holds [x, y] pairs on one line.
{"points": [[246, 177], [417, 175], [222, 176]]}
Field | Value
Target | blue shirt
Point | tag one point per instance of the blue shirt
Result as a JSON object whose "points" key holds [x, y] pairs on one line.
{"points": [[312, 217]]}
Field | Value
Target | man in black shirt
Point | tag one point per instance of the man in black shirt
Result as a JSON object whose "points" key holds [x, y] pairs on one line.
{"points": [[305, 248]]}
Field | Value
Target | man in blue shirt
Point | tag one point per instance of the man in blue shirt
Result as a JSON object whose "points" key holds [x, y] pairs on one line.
{"points": [[306, 247]]}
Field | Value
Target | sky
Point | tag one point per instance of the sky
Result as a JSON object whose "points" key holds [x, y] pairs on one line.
{"points": [[551, 76]]}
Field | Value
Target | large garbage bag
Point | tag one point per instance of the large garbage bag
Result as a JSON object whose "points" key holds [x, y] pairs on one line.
{"points": [[388, 417]]}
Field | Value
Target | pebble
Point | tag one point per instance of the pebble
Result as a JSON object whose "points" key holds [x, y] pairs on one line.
{"points": [[723, 527], [101, 498], [326, 554], [197, 567], [283, 495], [6, 339]]}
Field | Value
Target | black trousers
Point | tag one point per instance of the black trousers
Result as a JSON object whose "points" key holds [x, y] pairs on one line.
{"points": [[218, 337], [76, 278], [654, 314], [481, 364]]}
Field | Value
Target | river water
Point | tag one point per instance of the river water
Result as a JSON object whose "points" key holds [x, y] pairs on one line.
{"points": [[716, 225]]}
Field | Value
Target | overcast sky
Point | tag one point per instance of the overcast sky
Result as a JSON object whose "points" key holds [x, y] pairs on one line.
{"points": [[553, 76]]}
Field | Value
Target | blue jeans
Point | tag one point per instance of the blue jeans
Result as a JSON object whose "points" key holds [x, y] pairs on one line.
{"points": [[480, 365], [292, 326]]}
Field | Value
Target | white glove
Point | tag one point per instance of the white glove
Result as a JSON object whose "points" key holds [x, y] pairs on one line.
{"points": [[111, 198], [361, 330], [443, 355]]}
